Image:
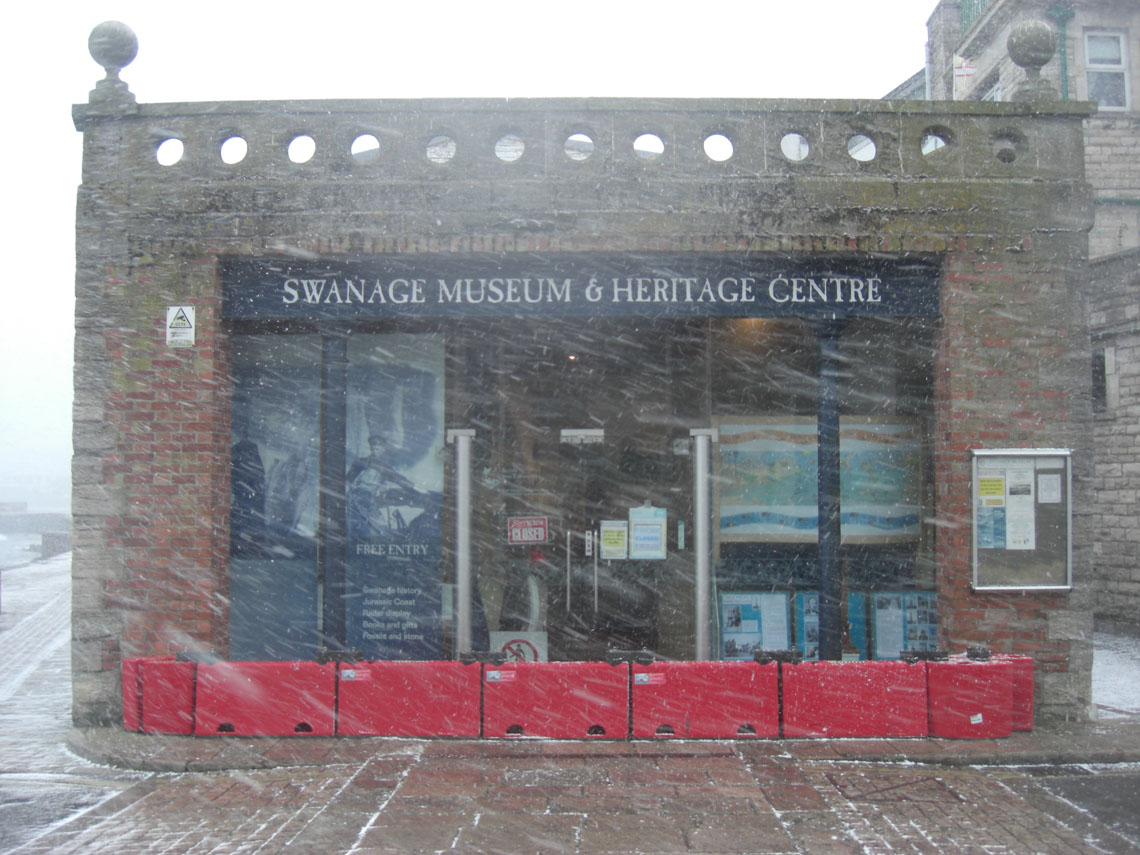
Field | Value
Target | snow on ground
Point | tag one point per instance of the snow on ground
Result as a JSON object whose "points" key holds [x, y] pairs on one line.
{"points": [[41, 782], [1116, 676]]}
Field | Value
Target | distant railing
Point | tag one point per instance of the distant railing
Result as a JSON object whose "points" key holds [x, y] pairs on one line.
{"points": [[971, 10]]}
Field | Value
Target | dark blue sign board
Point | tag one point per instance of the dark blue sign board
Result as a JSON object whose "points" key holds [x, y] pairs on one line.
{"points": [[529, 285]]}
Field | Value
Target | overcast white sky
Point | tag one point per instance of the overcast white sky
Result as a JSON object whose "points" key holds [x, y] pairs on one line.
{"points": [[208, 50]]}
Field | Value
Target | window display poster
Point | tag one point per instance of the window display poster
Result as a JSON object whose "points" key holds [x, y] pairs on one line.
{"points": [[647, 527], [904, 620], [857, 622], [614, 536], [274, 460], [394, 489], [767, 474], [752, 621], [807, 623]]}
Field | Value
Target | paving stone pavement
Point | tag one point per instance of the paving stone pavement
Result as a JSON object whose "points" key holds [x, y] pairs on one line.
{"points": [[589, 798], [305, 795]]}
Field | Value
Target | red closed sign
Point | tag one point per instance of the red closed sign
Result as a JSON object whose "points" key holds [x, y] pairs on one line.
{"points": [[526, 530]]}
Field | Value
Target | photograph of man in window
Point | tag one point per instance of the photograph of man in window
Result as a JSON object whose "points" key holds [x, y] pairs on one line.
{"points": [[398, 417]]}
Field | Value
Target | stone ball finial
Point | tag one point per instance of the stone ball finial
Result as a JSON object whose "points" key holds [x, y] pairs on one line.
{"points": [[1031, 45], [113, 45]]}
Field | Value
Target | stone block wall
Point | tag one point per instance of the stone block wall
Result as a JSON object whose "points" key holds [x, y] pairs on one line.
{"points": [[1115, 322], [152, 438]]}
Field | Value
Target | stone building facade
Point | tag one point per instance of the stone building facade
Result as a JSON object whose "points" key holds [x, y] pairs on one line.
{"points": [[1098, 60], [588, 291]]}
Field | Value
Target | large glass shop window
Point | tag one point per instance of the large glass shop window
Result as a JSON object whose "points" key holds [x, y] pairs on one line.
{"points": [[765, 399], [582, 446]]}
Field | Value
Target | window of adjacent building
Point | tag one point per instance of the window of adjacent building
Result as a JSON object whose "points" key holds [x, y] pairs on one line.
{"points": [[1099, 382], [990, 90], [1106, 70]]}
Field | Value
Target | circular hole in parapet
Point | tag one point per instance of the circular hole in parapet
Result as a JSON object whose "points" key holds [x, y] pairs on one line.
{"points": [[649, 146], [718, 147], [578, 146], [302, 148], [365, 148], [794, 146], [862, 148], [169, 151], [935, 140], [1006, 146], [440, 149], [233, 150], [509, 148]]}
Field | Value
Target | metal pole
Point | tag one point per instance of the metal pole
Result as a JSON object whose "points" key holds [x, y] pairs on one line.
{"points": [[702, 441], [830, 583], [332, 507], [462, 440]]}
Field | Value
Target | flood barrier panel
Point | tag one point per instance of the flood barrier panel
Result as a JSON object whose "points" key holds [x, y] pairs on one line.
{"points": [[705, 700], [971, 699], [410, 699], [556, 700], [166, 691], [878, 698], [266, 699]]}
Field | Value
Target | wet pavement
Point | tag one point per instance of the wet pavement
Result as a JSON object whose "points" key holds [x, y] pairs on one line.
{"points": [[1062, 789], [762, 796]]}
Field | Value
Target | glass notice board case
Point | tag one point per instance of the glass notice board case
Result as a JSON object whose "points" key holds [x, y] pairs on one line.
{"points": [[1022, 519]]}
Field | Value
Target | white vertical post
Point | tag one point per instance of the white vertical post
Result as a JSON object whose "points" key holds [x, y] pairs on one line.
{"points": [[597, 547], [569, 549], [462, 441], [702, 442]]}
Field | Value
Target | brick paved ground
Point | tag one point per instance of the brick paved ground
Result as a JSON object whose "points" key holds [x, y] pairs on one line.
{"points": [[329, 796], [613, 798]]}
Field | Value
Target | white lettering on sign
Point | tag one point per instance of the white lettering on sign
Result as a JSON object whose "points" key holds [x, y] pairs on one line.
{"points": [[733, 290], [523, 530]]}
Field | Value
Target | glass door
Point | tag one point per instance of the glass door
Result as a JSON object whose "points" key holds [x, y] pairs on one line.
{"points": [[578, 426]]}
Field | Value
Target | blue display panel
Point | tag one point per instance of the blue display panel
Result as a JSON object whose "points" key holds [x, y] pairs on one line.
{"points": [[807, 623], [394, 496], [274, 459]]}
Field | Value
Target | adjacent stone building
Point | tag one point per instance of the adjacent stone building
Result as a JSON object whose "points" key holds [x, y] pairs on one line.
{"points": [[1098, 60], [400, 378]]}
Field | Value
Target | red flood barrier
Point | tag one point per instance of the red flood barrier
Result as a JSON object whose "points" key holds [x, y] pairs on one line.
{"points": [[971, 699], [165, 695], [412, 699], [265, 699], [705, 700], [879, 698], [557, 700], [132, 695], [1022, 675]]}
